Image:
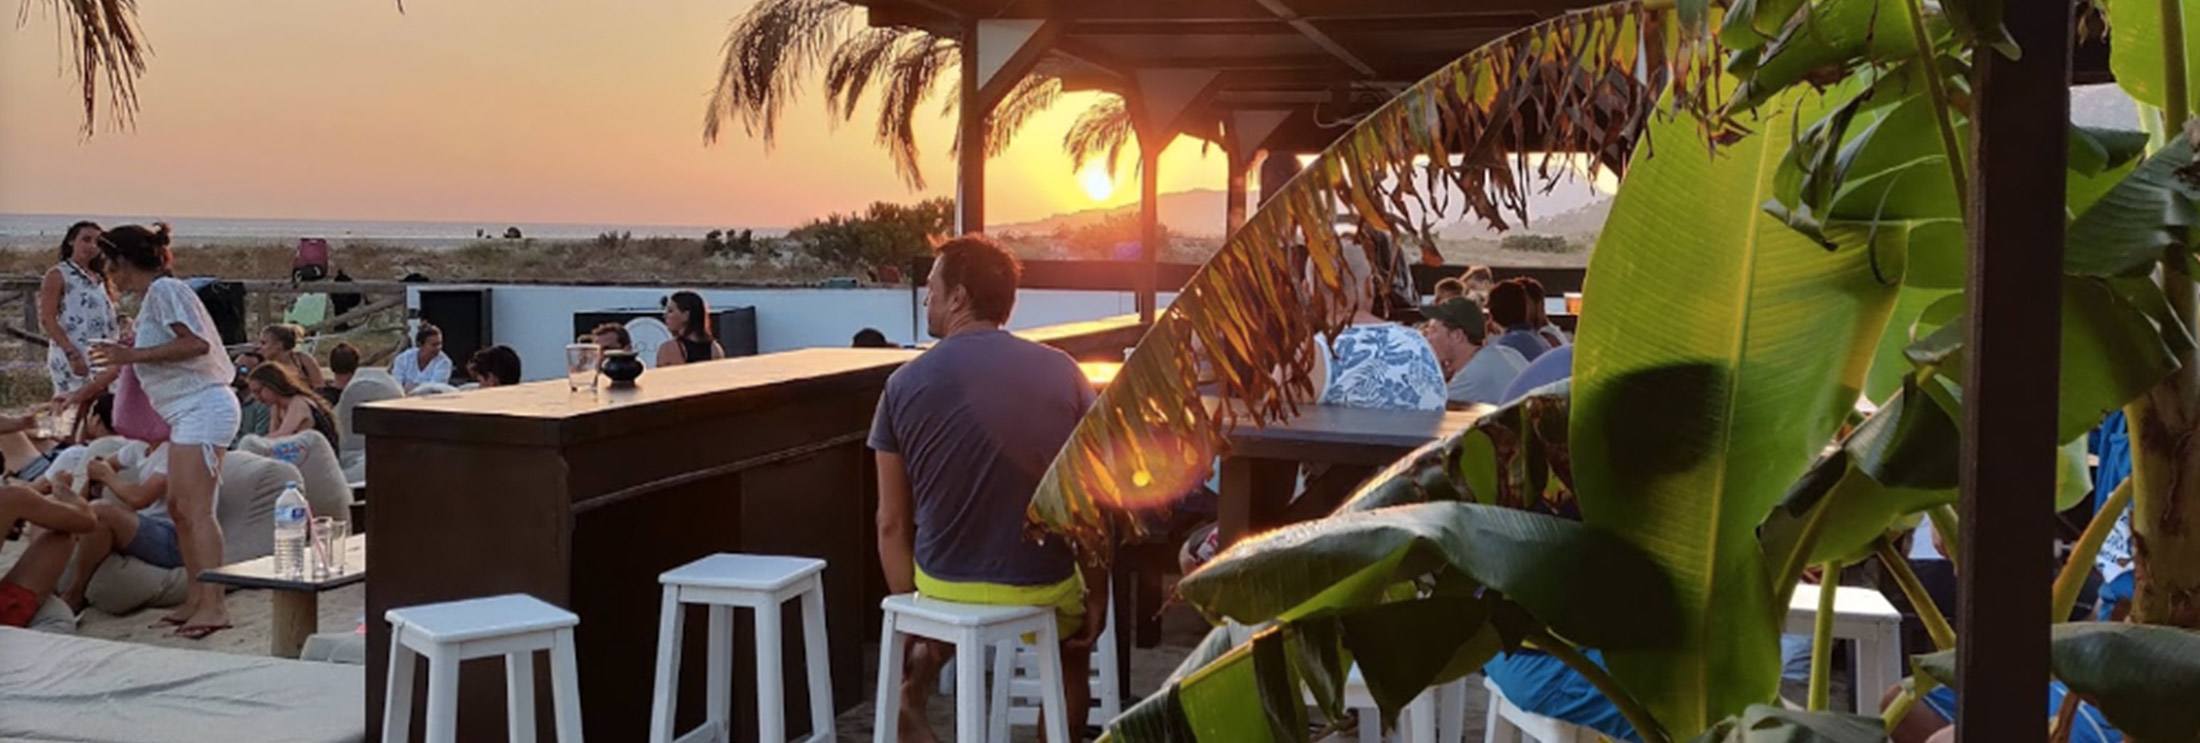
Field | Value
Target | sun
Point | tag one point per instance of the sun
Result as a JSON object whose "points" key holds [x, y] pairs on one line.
{"points": [[1096, 181]]}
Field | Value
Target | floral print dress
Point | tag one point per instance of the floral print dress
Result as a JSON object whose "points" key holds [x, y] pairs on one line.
{"points": [[87, 314], [1385, 366]]}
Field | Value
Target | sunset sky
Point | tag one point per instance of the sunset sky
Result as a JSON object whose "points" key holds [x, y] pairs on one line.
{"points": [[480, 110]]}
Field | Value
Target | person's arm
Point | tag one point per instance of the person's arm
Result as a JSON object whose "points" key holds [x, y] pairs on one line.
{"points": [[50, 291], [296, 416], [897, 525], [717, 351], [95, 387], [668, 354], [308, 366], [136, 495], [1096, 606], [63, 512]]}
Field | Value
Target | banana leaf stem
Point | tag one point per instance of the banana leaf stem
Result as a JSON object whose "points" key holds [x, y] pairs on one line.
{"points": [[1898, 709], [1944, 521], [1942, 103], [2072, 578], [1821, 637], [1646, 726], [1928, 613], [2177, 106]]}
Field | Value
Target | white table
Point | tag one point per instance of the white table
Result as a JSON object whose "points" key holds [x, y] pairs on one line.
{"points": [[1863, 617]]}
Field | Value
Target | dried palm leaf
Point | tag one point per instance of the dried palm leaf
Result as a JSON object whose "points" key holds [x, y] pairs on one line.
{"points": [[1584, 82], [107, 45]]}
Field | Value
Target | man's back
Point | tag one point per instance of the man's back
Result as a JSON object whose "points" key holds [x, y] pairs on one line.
{"points": [[977, 419]]}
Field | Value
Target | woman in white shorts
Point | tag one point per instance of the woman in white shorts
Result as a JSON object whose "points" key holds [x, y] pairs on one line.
{"points": [[179, 359]]}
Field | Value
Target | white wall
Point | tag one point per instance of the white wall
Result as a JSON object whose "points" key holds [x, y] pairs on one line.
{"points": [[537, 320]]}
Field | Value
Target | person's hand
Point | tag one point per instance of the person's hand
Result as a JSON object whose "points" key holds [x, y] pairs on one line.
{"points": [[77, 364], [107, 353], [1096, 621], [98, 470]]}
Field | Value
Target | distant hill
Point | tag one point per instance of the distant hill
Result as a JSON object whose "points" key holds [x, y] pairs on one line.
{"points": [[1197, 212]]}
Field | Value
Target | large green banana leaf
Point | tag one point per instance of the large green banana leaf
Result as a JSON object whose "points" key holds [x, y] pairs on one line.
{"points": [[1763, 723], [2135, 50], [1718, 354], [2144, 678]]}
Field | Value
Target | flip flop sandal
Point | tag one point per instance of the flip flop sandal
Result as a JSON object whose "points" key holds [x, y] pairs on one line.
{"points": [[200, 631]]}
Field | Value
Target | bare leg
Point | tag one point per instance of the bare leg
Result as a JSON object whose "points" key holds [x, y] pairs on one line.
{"points": [[117, 526], [191, 488], [1076, 687], [1916, 727], [919, 674], [39, 569]]}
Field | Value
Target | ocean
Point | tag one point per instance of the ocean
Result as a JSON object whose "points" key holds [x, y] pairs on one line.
{"points": [[44, 230]]}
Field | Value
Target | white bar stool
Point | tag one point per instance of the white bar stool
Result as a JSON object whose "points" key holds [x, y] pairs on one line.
{"points": [[1021, 696], [1864, 618], [1511, 724], [971, 628], [762, 584], [514, 626], [1417, 723]]}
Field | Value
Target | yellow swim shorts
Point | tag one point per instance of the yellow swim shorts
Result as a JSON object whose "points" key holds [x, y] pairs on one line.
{"points": [[1067, 597]]}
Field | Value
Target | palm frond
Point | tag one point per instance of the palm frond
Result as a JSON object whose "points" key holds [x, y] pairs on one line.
{"points": [[860, 62], [766, 55], [106, 45], [1035, 93], [1099, 133], [909, 80], [1584, 82]]}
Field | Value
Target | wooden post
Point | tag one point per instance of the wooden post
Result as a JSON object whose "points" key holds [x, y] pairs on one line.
{"points": [[2014, 291], [970, 132], [1150, 146], [1233, 209]]}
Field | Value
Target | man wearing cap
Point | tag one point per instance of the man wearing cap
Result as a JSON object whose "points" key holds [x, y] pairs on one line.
{"points": [[1478, 371]]}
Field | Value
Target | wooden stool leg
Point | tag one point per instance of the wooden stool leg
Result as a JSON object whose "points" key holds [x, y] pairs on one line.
{"points": [[442, 698], [720, 666], [1054, 702], [970, 724], [397, 698], [771, 700], [667, 693], [519, 695], [565, 686], [886, 725], [819, 659]]}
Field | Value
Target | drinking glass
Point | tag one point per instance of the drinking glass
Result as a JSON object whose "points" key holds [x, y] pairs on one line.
{"points": [[327, 539], [582, 361]]}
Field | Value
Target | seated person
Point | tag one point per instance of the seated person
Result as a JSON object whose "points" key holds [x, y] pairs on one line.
{"points": [[960, 448], [1551, 367], [1511, 320], [1539, 315], [343, 362], [51, 521], [132, 514], [612, 337], [495, 366], [1373, 363], [871, 338], [253, 415], [293, 409], [1447, 289], [425, 362], [1478, 371], [279, 344], [1478, 280]]}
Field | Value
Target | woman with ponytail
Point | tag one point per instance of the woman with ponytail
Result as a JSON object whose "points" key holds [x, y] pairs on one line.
{"points": [[178, 358], [75, 307]]}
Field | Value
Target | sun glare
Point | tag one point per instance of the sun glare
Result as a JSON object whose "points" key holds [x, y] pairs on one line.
{"points": [[1096, 181]]}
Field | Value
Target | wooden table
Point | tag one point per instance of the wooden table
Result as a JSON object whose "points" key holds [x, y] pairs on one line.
{"points": [[297, 601], [1260, 472]]}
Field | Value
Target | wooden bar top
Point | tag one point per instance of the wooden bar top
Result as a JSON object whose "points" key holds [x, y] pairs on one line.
{"points": [[547, 413]]}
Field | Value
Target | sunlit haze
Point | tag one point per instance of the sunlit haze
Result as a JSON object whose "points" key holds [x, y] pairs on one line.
{"points": [[519, 110]]}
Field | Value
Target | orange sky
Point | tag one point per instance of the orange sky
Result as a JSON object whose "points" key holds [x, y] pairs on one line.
{"points": [[472, 110]]}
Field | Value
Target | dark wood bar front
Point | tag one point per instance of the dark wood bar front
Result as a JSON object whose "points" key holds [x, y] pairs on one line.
{"points": [[583, 498]]}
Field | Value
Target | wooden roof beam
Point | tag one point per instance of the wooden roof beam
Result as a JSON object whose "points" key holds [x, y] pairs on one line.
{"points": [[1319, 38]]}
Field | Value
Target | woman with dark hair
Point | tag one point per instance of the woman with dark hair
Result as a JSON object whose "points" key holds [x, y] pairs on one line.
{"points": [[76, 306], [689, 320], [178, 358], [292, 406], [495, 366], [424, 362]]}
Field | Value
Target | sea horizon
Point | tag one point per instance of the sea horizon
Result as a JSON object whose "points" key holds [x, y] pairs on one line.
{"points": [[20, 231]]}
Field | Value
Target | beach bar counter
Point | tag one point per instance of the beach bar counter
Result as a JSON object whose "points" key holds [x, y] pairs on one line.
{"points": [[582, 498]]}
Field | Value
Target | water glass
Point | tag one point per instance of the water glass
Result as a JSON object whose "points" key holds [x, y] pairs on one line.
{"points": [[582, 361], [328, 535]]}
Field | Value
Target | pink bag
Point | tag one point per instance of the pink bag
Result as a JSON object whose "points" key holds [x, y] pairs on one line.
{"points": [[135, 417]]}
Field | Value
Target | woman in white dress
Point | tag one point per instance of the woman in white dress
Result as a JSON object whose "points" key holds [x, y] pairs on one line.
{"points": [[75, 307], [179, 360]]}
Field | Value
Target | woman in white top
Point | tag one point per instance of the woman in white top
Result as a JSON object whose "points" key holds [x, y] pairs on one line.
{"points": [[178, 358], [75, 307], [424, 363]]}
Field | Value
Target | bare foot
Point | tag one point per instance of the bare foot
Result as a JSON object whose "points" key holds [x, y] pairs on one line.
{"points": [[182, 613], [913, 725]]}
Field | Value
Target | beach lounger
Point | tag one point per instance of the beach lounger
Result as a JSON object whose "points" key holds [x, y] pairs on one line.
{"points": [[73, 688]]}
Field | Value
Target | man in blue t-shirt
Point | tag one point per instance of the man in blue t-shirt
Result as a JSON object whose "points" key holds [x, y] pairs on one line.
{"points": [[963, 435]]}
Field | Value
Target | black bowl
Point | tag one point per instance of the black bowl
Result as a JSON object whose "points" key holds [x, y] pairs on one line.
{"points": [[621, 367]]}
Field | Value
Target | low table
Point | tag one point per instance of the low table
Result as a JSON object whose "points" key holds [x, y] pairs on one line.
{"points": [[297, 601], [1260, 470]]}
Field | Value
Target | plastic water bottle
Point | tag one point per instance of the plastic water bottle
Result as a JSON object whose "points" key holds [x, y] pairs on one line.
{"points": [[292, 517]]}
